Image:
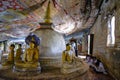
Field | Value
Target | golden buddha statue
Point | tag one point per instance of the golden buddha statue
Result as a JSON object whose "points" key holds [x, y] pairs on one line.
{"points": [[19, 52], [32, 53], [10, 60], [70, 62], [31, 57], [68, 55]]}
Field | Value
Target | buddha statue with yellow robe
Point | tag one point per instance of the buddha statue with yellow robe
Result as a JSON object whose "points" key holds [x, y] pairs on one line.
{"points": [[19, 53], [31, 57], [70, 62], [10, 60], [67, 55]]}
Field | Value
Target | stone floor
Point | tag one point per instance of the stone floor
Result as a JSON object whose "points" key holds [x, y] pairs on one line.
{"points": [[89, 75]]}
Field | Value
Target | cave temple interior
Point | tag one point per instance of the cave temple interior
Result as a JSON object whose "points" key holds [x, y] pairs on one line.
{"points": [[91, 28]]}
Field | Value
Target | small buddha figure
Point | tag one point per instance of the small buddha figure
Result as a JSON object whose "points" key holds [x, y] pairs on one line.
{"points": [[10, 60], [70, 62], [31, 57], [19, 52]]}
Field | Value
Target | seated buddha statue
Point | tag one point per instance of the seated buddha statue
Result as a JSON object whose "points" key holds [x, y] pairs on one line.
{"points": [[32, 54], [70, 62], [19, 52], [31, 57], [67, 55], [10, 60]]}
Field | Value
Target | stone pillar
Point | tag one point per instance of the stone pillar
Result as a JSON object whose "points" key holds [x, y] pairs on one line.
{"points": [[5, 45], [83, 45], [52, 44]]}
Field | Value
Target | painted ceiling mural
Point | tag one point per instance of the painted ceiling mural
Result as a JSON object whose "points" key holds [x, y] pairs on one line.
{"points": [[20, 17]]}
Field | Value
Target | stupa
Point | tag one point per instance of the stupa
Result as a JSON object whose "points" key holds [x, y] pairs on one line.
{"points": [[52, 43]]}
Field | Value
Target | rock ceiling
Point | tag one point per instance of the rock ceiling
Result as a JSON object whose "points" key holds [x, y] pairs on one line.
{"points": [[20, 17]]}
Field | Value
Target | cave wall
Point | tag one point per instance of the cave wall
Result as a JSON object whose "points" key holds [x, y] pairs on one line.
{"points": [[110, 56]]}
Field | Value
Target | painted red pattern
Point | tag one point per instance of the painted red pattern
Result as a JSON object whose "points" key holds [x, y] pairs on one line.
{"points": [[13, 4], [9, 4]]}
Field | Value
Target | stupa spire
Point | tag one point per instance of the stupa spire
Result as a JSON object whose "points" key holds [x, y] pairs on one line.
{"points": [[48, 13]]}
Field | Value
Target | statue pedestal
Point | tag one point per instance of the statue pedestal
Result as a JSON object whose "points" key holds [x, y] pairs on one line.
{"points": [[53, 74], [5, 67], [49, 62], [27, 67], [74, 67], [23, 69]]}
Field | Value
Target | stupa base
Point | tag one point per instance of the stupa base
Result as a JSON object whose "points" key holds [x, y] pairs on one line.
{"points": [[27, 70], [54, 74]]}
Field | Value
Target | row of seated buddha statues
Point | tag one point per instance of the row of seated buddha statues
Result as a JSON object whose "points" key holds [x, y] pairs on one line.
{"points": [[70, 63], [29, 60]]}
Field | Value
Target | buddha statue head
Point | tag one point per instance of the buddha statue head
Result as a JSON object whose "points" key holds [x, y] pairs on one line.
{"points": [[32, 44], [68, 47], [19, 45], [12, 46]]}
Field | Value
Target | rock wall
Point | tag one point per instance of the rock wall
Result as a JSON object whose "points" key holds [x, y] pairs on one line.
{"points": [[110, 56]]}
